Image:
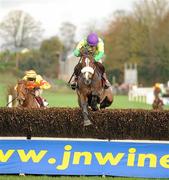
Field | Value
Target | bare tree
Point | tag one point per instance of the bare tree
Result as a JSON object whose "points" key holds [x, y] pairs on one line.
{"points": [[19, 30], [151, 12], [67, 36], [90, 26]]}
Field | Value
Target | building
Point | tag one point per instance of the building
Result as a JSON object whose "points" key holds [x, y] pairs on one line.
{"points": [[67, 67]]}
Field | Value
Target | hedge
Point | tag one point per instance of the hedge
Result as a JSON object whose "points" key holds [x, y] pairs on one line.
{"points": [[68, 122]]}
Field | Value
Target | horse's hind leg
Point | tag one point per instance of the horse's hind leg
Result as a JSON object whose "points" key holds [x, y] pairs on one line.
{"points": [[108, 98], [105, 103]]}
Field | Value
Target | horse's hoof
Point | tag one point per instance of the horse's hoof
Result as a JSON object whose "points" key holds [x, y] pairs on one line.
{"points": [[95, 108], [87, 123]]}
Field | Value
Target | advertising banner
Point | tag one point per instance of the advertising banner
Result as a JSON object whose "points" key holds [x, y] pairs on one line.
{"points": [[73, 157]]}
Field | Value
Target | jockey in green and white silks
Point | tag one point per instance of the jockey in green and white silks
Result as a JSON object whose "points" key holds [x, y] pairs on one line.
{"points": [[95, 45]]}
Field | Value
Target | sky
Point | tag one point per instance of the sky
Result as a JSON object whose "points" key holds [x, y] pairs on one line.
{"points": [[51, 13]]}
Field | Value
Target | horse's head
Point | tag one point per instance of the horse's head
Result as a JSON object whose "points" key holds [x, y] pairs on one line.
{"points": [[88, 68], [21, 91]]}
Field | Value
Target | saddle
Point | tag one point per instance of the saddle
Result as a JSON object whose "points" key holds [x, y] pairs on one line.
{"points": [[39, 101]]}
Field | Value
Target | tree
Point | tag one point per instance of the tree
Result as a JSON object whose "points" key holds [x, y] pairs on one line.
{"points": [[51, 50], [117, 45], [90, 26], [67, 36], [140, 37], [153, 15], [19, 30], [32, 60], [150, 12]]}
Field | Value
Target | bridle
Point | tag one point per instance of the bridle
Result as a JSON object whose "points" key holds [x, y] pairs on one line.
{"points": [[87, 70]]}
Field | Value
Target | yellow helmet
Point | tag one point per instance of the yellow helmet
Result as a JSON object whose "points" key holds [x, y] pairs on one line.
{"points": [[31, 74], [157, 85]]}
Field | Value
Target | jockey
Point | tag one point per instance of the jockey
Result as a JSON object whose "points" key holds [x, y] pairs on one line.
{"points": [[158, 102], [36, 82], [157, 90], [95, 45]]}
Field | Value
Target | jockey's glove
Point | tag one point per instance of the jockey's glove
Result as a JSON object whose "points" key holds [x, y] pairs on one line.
{"points": [[76, 52], [98, 56]]}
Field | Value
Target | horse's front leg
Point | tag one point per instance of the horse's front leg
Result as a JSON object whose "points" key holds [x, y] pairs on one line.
{"points": [[84, 106], [94, 101]]}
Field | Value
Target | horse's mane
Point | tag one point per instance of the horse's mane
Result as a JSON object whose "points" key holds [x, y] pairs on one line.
{"points": [[29, 96]]}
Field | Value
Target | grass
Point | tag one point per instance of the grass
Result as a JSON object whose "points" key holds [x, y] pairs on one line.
{"points": [[6, 80], [61, 96], [70, 100]]}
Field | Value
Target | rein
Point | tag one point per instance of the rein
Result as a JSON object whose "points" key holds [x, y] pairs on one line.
{"points": [[11, 101], [73, 72]]}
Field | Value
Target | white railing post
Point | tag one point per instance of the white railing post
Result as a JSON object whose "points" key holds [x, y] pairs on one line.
{"points": [[9, 100], [141, 95]]}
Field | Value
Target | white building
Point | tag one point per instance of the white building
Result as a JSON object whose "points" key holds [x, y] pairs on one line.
{"points": [[130, 74], [67, 67]]}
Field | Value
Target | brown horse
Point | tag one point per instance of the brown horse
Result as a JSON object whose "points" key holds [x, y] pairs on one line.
{"points": [[25, 96], [90, 88], [157, 104]]}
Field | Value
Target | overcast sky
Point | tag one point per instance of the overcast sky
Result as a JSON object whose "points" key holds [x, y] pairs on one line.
{"points": [[51, 13]]}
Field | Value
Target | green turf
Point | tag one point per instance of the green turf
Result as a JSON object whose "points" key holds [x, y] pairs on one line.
{"points": [[6, 80], [60, 99], [61, 96], [70, 100]]}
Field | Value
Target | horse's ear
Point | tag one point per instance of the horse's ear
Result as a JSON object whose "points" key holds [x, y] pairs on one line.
{"points": [[20, 81]]}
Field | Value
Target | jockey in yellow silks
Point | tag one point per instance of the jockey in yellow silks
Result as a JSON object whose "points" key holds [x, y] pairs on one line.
{"points": [[95, 45], [36, 82]]}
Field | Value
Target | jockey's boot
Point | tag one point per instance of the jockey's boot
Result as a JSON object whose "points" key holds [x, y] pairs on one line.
{"points": [[73, 83], [107, 83]]}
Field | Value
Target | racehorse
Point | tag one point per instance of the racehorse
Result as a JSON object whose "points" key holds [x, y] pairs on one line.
{"points": [[90, 87], [157, 104], [25, 96]]}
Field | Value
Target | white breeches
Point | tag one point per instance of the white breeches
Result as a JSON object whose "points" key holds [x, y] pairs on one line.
{"points": [[100, 61], [38, 92]]}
